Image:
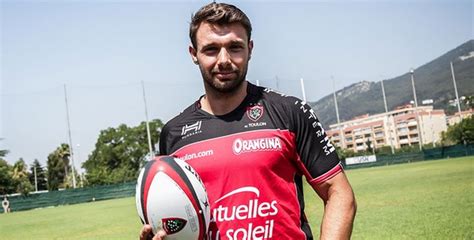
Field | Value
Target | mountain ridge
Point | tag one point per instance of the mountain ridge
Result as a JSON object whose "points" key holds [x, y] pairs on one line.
{"points": [[433, 80]]}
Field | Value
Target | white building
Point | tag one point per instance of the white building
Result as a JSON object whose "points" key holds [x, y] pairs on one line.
{"points": [[399, 128]]}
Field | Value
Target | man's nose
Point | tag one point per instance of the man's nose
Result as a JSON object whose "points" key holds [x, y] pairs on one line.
{"points": [[223, 58]]}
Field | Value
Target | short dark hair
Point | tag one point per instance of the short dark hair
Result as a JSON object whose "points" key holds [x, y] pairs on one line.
{"points": [[221, 14]]}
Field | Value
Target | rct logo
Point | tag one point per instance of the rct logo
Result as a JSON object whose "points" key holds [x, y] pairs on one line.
{"points": [[173, 225], [254, 113]]}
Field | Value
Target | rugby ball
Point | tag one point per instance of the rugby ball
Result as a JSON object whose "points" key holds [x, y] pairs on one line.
{"points": [[170, 196]]}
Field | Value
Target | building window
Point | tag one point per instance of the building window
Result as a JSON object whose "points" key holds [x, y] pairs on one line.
{"points": [[402, 124], [402, 130]]}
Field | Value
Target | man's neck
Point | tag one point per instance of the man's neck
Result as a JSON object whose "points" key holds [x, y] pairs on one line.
{"points": [[221, 104]]}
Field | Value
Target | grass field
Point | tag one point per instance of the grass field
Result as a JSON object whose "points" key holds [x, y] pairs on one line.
{"points": [[423, 200]]}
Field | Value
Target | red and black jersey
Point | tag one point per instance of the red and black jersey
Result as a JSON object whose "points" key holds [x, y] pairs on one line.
{"points": [[252, 160]]}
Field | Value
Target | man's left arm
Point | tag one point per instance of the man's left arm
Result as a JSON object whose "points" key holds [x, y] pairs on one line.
{"points": [[318, 162], [339, 207]]}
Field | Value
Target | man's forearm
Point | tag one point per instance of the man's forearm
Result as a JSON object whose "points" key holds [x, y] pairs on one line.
{"points": [[338, 217], [339, 208]]}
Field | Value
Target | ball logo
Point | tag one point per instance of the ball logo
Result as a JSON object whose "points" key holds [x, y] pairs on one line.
{"points": [[173, 225], [254, 145]]}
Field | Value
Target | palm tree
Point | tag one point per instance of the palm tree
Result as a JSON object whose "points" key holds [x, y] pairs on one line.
{"points": [[19, 169], [20, 177], [3, 152], [63, 154]]}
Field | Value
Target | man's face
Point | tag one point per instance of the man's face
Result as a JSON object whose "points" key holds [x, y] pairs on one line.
{"points": [[223, 53]]}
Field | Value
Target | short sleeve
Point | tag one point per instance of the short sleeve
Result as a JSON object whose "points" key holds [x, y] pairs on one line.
{"points": [[317, 157], [163, 141]]}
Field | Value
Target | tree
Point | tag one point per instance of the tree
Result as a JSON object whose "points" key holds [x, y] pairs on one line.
{"points": [[6, 181], [57, 169], [469, 101], [68, 181], [3, 152], [20, 177], [344, 153], [384, 150], [445, 140], [119, 153], [40, 176], [369, 148], [460, 133]]}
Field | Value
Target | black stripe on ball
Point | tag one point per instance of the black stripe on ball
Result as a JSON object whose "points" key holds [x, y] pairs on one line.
{"points": [[172, 163], [142, 190]]}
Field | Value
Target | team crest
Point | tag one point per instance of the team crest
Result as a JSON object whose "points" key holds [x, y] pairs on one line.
{"points": [[255, 112], [173, 225]]}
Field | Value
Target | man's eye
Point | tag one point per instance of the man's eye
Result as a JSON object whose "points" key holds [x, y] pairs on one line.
{"points": [[210, 50], [236, 48]]}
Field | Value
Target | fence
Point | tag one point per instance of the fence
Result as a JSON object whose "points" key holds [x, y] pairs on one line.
{"points": [[428, 154], [88, 194], [70, 196]]}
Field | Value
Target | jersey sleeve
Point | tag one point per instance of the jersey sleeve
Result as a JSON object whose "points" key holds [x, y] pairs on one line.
{"points": [[163, 141], [317, 157]]}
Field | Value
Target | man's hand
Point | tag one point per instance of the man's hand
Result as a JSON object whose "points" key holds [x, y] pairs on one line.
{"points": [[147, 233]]}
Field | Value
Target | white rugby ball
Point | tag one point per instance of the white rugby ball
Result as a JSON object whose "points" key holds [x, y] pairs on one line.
{"points": [[170, 196]]}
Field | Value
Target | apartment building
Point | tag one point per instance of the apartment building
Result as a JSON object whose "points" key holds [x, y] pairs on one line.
{"points": [[459, 116], [404, 126]]}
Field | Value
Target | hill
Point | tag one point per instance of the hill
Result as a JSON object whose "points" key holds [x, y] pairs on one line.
{"points": [[432, 81]]}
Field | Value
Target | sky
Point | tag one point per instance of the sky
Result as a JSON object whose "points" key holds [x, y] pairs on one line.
{"points": [[100, 52]]}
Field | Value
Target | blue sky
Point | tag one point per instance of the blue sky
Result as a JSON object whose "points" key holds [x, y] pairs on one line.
{"points": [[102, 50]]}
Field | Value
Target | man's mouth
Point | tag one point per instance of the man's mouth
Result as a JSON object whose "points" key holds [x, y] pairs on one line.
{"points": [[224, 74]]}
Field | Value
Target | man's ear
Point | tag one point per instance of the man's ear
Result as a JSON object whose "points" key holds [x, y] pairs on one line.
{"points": [[193, 53], [250, 48]]}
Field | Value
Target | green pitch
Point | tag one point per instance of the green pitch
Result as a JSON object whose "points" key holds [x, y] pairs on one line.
{"points": [[424, 200]]}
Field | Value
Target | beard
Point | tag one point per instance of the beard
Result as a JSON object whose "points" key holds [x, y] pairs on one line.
{"points": [[224, 86]]}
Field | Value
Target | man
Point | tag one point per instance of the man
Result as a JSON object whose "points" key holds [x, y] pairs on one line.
{"points": [[5, 205], [251, 146]]}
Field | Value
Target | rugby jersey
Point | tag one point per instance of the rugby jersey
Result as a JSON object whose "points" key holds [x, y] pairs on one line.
{"points": [[252, 162]]}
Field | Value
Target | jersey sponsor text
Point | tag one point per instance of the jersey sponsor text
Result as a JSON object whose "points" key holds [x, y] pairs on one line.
{"points": [[253, 209], [254, 145], [201, 154]]}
